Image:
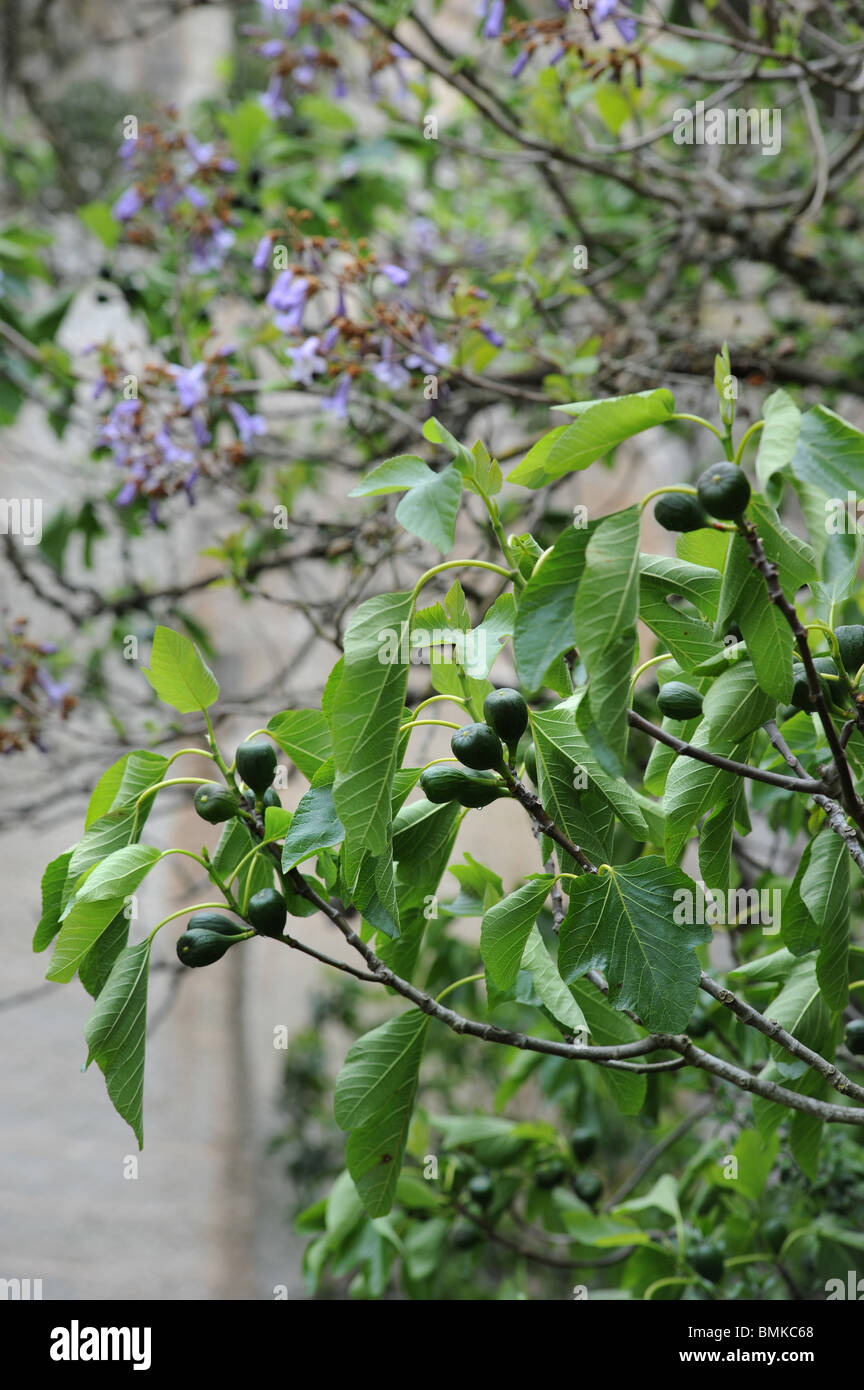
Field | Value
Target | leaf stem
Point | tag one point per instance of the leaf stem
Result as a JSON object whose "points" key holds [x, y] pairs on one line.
{"points": [[172, 782], [495, 521], [182, 912], [466, 980], [697, 420], [459, 564], [189, 855], [816, 626], [654, 661], [454, 699], [262, 844], [425, 723], [754, 429], [662, 491], [219, 760], [197, 752]]}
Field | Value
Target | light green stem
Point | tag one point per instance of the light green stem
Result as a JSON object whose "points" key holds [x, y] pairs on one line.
{"points": [[662, 1284], [754, 429], [189, 855], [181, 752], [495, 520], [816, 626], [220, 761], [454, 700], [182, 912], [654, 661], [458, 564], [466, 980], [172, 782], [697, 420], [425, 723], [662, 491], [252, 852]]}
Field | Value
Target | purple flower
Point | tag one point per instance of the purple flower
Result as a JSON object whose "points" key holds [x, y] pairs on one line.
{"points": [[337, 404], [191, 387], [306, 361], [127, 205], [395, 274], [273, 101], [288, 14], [606, 9], [200, 430], [494, 12], [194, 195], [262, 252], [55, 690], [520, 63], [331, 337], [208, 251], [202, 154], [388, 371], [169, 450], [121, 428], [288, 297], [424, 233], [273, 48], [491, 335], [429, 354], [357, 21], [432, 355], [247, 425], [126, 495], [167, 197]]}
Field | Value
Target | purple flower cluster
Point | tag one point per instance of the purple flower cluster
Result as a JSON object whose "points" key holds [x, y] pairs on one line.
{"points": [[536, 35], [165, 440], [614, 10], [29, 690], [303, 61], [288, 298], [339, 348], [181, 181], [346, 315]]}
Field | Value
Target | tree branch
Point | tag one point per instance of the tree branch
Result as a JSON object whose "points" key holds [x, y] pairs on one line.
{"points": [[773, 1030], [704, 755], [833, 811], [769, 573], [656, 1042]]}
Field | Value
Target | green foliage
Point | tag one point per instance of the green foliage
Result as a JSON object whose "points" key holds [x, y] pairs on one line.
{"points": [[556, 1030], [179, 674], [592, 967]]}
